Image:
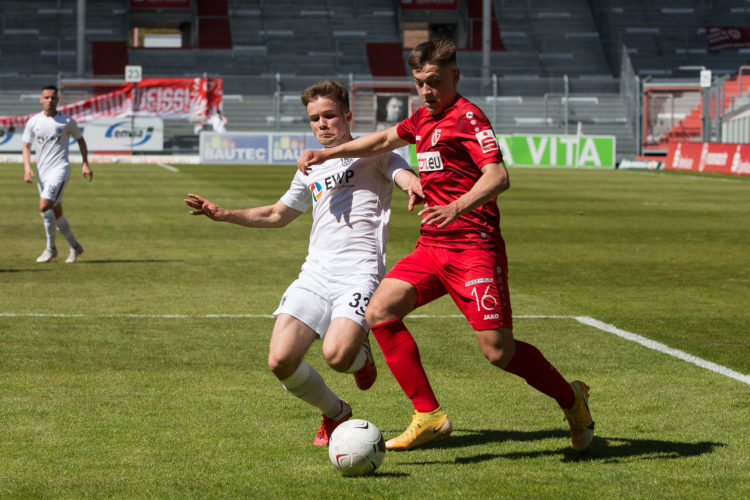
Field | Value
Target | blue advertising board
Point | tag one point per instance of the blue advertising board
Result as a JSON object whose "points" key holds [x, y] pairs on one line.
{"points": [[251, 147], [260, 147]]}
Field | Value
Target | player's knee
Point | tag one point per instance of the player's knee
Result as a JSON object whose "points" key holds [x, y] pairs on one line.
{"points": [[337, 357], [377, 313], [280, 366], [498, 357]]}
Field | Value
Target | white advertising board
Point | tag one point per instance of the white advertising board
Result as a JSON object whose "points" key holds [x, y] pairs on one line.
{"points": [[106, 134]]}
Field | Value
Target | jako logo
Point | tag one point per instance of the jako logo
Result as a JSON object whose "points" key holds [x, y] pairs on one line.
{"points": [[317, 191], [141, 135]]}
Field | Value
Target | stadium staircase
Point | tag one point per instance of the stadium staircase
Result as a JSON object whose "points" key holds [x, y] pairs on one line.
{"points": [[690, 109]]}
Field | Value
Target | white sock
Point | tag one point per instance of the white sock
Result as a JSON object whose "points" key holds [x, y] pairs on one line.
{"points": [[307, 384], [359, 360], [64, 228], [50, 225]]}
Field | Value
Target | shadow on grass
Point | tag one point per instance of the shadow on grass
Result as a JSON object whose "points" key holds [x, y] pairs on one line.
{"points": [[377, 473], [610, 449], [128, 261], [102, 261], [22, 270]]}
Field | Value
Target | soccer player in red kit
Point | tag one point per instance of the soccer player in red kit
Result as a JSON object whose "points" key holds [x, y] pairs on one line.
{"points": [[460, 251]]}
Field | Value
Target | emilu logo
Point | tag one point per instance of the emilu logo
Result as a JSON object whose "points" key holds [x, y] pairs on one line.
{"points": [[317, 191], [140, 134], [6, 135]]}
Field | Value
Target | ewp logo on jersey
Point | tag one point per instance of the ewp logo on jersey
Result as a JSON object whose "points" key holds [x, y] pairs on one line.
{"points": [[317, 191], [334, 181]]}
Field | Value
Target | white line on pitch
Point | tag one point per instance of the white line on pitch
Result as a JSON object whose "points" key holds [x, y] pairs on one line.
{"points": [[168, 167], [665, 349], [127, 315], [586, 320]]}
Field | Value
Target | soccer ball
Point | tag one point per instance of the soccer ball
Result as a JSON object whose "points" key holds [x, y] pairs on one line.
{"points": [[356, 447]]}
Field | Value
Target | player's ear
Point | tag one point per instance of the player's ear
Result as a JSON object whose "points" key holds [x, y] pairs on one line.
{"points": [[456, 75], [348, 117]]}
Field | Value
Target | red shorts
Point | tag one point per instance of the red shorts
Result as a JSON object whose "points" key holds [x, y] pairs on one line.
{"points": [[476, 279]]}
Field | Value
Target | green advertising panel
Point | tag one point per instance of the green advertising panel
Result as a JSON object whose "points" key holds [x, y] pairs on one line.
{"points": [[554, 150]]}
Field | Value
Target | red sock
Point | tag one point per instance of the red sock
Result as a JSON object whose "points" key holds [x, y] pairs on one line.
{"points": [[402, 357], [531, 365]]}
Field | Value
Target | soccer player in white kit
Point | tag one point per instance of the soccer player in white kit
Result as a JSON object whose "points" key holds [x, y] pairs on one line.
{"points": [[350, 199], [52, 131]]}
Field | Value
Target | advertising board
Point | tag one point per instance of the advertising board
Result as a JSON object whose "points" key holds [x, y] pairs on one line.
{"points": [[103, 135], [258, 147], [709, 157]]}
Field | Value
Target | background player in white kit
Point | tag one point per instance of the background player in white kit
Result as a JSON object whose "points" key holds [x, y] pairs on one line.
{"points": [[345, 261], [52, 131]]}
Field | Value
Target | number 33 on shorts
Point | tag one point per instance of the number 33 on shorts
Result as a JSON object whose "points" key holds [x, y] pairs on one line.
{"points": [[359, 303]]}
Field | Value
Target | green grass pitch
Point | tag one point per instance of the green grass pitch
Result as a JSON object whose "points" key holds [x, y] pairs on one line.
{"points": [[141, 370]]}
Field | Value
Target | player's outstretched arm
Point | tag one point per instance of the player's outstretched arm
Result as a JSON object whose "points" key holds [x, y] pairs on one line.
{"points": [[276, 215], [364, 147]]}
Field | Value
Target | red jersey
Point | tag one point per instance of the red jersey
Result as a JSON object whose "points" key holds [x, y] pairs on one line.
{"points": [[451, 149]]}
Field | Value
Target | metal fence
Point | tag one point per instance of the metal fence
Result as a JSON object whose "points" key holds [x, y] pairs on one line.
{"points": [[514, 104]]}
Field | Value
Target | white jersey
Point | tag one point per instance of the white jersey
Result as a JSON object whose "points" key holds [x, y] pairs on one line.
{"points": [[51, 138], [351, 199], [217, 123]]}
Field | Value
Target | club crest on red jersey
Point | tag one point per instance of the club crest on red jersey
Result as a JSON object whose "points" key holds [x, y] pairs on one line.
{"points": [[435, 136], [487, 140]]}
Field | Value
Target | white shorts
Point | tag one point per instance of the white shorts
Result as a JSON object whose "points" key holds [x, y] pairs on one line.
{"points": [[316, 301], [53, 185]]}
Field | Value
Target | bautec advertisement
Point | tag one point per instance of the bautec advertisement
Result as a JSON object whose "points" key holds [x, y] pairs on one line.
{"points": [[250, 147], [105, 135], [247, 147]]}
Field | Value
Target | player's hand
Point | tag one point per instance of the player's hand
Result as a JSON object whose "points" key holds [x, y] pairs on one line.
{"points": [[202, 206], [87, 172], [416, 195], [308, 159], [28, 175], [439, 215]]}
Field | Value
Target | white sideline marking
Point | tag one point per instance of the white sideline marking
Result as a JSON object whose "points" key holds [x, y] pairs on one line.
{"points": [[168, 167], [586, 320], [665, 349], [127, 315]]}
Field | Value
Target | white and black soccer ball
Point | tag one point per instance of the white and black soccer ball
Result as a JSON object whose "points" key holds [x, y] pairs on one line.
{"points": [[356, 447]]}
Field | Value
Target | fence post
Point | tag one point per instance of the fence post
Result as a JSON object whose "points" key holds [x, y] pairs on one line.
{"points": [[565, 108]]}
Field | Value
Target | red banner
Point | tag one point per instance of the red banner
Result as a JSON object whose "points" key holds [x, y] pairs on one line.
{"points": [[709, 157], [159, 4], [727, 37], [167, 98], [429, 4]]}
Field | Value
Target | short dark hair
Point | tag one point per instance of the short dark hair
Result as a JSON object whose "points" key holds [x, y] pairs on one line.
{"points": [[332, 89], [441, 52], [50, 87]]}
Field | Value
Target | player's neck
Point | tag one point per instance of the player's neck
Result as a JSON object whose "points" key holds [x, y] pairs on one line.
{"points": [[50, 114]]}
